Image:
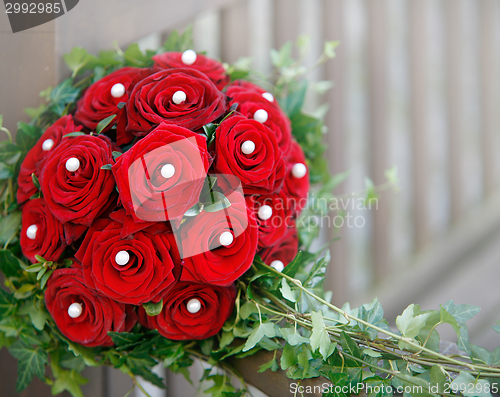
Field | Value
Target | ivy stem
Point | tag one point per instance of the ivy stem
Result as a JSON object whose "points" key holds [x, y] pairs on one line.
{"points": [[366, 323], [138, 385]]}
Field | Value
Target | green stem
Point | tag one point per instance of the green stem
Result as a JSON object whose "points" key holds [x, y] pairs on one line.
{"points": [[138, 385]]}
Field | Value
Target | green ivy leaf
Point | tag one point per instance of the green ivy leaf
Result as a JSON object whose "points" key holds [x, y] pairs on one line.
{"points": [[75, 133], [293, 337], [287, 292], [319, 336], [179, 42], [153, 309], [410, 325], [263, 329], [293, 102], [194, 210], [9, 152], [79, 59], [27, 135], [63, 95], [135, 57], [70, 381], [31, 362], [272, 365], [329, 48], [124, 340], [9, 264], [7, 302], [106, 167]]}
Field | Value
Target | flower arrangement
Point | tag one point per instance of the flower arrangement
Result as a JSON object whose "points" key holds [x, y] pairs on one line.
{"points": [[153, 210]]}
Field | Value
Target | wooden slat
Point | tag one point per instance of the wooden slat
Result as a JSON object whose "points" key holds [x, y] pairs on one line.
{"points": [[261, 33], [417, 13], [207, 33], [335, 120], [286, 18], [379, 138], [489, 92], [234, 32], [455, 95]]}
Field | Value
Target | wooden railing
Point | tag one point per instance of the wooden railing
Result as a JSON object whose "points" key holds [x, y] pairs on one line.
{"points": [[416, 85]]}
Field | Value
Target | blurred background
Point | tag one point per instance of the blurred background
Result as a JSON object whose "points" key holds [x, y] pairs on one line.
{"points": [[416, 85]]}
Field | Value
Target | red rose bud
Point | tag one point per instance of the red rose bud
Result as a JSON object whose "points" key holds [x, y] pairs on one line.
{"points": [[101, 99], [73, 184], [162, 175], [274, 215], [134, 270], [248, 150], [82, 315], [218, 247], [37, 155], [184, 97], [41, 233], [296, 184], [189, 59], [282, 252], [192, 311], [254, 105]]}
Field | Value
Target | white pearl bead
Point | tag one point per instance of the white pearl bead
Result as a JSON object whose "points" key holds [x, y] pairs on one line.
{"points": [[117, 90], [193, 306], [265, 212], [122, 258], [268, 96], [260, 116], [248, 147], [47, 145], [179, 97], [226, 239], [31, 232], [75, 310], [167, 171], [188, 57], [278, 265], [299, 170], [72, 164]]}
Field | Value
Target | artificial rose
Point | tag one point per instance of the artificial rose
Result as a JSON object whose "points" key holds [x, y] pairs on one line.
{"points": [[151, 101], [272, 227], [284, 250], [213, 69], [251, 100], [205, 259], [175, 320], [260, 172], [80, 196], [34, 160], [144, 276], [48, 241], [97, 102], [162, 175], [296, 188], [99, 314]]}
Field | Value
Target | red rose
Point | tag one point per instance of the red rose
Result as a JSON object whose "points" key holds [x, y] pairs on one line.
{"points": [[296, 184], [205, 258], [151, 101], [260, 170], [251, 100], [209, 307], [134, 270], [213, 69], [41, 234], [274, 216], [35, 158], [284, 250], [98, 316], [162, 175], [73, 184], [100, 100]]}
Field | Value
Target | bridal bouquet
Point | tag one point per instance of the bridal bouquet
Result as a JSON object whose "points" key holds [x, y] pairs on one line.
{"points": [[153, 211]]}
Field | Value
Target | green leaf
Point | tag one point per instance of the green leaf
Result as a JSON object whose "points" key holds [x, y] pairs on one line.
{"points": [[32, 362], [216, 201], [116, 154], [329, 48], [247, 309], [283, 57], [63, 95], [9, 152], [293, 337], [79, 59], [469, 386], [292, 268], [70, 381], [33, 113], [349, 345], [104, 123], [287, 292], [153, 309], [319, 336], [272, 365], [372, 353], [7, 302], [9, 264], [496, 327], [135, 57], [263, 329], [194, 210], [179, 42], [9, 226], [124, 340], [27, 135], [106, 167], [293, 102], [45, 278], [75, 133], [209, 130], [142, 364], [409, 325]]}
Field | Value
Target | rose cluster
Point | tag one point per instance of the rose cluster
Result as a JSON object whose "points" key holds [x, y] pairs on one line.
{"points": [[167, 205]]}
